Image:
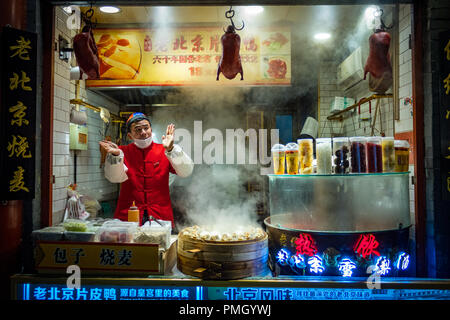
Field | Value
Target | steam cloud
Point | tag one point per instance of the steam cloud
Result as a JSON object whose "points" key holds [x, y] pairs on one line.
{"points": [[215, 195]]}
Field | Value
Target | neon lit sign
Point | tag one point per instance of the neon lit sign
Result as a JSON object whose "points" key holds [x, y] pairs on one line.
{"points": [[282, 257], [346, 267], [61, 292], [316, 264], [297, 261], [112, 292], [382, 266], [402, 261], [305, 245], [366, 245], [332, 261]]}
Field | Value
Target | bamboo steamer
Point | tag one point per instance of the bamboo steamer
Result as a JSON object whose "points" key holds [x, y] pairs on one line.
{"points": [[222, 260]]}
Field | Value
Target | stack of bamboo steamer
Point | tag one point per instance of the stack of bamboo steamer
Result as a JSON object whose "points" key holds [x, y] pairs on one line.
{"points": [[222, 260]]}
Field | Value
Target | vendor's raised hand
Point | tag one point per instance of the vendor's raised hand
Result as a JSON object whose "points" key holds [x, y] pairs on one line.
{"points": [[167, 139], [109, 147]]}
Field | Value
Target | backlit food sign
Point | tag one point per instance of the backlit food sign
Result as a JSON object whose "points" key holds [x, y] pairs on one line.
{"points": [[189, 56]]}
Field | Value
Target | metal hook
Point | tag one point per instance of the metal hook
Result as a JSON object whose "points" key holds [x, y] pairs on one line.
{"points": [[229, 15], [87, 17], [379, 13]]}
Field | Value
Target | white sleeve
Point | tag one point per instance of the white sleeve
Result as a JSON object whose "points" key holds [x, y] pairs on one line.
{"points": [[172, 178], [180, 161], [115, 168]]}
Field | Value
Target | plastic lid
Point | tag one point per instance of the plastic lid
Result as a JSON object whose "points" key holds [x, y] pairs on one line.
{"points": [[292, 146], [278, 148], [373, 139], [387, 138], [401, 143], [358, 139], [318, 140], [340, 139]]}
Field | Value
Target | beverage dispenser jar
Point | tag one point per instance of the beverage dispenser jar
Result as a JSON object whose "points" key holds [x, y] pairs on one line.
{"points": [[401, 155], [374, 155], [292, 158], [323, 155], [278, 157], [305, 147], [388, 152], [341, 155], [358, 154]]}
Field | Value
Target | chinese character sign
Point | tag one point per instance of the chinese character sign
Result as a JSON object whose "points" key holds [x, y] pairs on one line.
{"points": [[98, 257], [444, 115], [187, 56], [305, 245], [366, 245], [18, 114]]}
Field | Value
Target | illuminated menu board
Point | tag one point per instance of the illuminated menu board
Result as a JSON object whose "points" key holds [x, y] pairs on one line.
{"points": [[189, 56]]}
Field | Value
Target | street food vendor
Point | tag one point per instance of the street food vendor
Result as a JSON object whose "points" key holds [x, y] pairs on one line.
{"points": [[143, 168]]}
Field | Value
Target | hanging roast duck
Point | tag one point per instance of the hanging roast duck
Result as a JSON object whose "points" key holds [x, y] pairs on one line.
{"points": [[230, 62], [378, 64], [86, 51]]}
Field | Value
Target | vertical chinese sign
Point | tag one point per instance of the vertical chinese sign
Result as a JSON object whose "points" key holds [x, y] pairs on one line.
{"points": [[18, 125], [444, 114]]}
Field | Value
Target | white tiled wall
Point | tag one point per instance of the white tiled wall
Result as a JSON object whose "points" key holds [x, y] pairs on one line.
{"points": [[89, 175], [405, 122], [352, 126], [328, 89]]}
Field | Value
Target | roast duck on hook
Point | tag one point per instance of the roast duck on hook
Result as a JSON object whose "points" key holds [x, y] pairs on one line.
{"points": [[378, 64], [230, 62], [86, 51]]}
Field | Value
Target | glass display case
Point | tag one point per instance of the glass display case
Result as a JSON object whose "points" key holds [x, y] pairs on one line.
{"points": [[339, 221]]}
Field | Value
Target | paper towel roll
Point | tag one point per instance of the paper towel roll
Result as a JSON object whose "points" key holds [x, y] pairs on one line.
{"points": [[78, 117], [76, 74]]}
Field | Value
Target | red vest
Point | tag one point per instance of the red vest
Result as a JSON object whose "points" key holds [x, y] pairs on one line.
{"points": [[147, 184]]}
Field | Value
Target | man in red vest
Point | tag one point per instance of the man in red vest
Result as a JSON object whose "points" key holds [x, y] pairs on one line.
{"points": [[143, 169]]}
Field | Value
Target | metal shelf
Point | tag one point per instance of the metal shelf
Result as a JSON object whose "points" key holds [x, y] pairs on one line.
{"points": [[338, 115], [80, 102]]}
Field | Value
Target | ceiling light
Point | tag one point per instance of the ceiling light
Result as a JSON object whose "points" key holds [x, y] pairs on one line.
{"points": [[68, 9], [371, 12], [322, 36], [109, 9], [372, 16], [252, 10]]}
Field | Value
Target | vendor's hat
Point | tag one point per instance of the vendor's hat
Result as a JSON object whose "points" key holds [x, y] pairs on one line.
{"points": [[134, 117]]}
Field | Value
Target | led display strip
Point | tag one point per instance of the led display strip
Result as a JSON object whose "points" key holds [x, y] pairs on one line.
{"points": [[57, 292]]}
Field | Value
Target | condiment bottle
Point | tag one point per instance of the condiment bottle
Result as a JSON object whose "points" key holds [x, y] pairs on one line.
{"points": [[133, 213]]}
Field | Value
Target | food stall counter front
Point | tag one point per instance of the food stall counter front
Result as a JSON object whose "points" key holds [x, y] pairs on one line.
{"points": [[183, 287]]}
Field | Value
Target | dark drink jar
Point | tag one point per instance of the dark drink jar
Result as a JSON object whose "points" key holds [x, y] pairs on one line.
{"points": [[374, 155], [341, 155], [358, 154]]}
